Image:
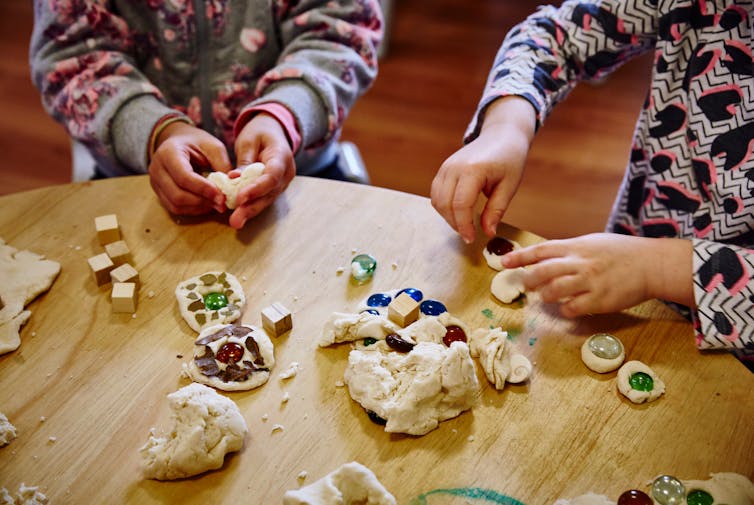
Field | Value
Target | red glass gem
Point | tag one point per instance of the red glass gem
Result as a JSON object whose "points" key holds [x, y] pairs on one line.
{"points": [[230, 353], [454, 333]]}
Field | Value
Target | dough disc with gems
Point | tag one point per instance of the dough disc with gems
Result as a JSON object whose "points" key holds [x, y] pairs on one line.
{"points": [[210, 299]]}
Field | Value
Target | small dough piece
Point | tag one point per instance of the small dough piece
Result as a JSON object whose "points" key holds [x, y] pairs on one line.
{"points": [[231, 187], [351, 484], [231, 357], [7, 431], [191, 292], [625, 373], [599, 364], [492, 349], [586, 499], [344, 327], [726, 487], [27, 495], [24, 276], [508, 284], [206, 427], [414, 391], [493, 260]]}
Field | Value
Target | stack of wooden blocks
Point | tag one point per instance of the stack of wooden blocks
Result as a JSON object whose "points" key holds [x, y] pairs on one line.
{"points": [[112, 266]]}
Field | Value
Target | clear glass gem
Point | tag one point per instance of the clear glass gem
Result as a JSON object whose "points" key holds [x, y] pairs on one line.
{"points": [[667, 490], [363, 267], [604, 345]]}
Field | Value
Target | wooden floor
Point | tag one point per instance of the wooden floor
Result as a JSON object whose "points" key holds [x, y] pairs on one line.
{"points": [[430, 80]]}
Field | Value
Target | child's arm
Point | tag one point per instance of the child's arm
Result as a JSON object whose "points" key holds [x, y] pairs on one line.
{"points": [[605, 272], [491, 164]]}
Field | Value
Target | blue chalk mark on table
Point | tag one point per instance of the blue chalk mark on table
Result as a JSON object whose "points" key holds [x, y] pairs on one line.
{"points": [[475, 493]]}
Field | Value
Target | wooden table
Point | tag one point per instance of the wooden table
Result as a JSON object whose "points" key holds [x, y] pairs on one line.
{"points": [[99, 379]]}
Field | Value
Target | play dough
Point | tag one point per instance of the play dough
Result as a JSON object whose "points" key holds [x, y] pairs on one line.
{"points": [[231, 357], [205, 427], [210, 299], [637, 382], [24, 276], [231, 186], [602, 353], [500, 364], [496, 248], [7, 431], [351, 484], [508, 284]]}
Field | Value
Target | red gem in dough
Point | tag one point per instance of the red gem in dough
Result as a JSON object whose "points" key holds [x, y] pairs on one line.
{"points": [[230, 353], [453, 333]]}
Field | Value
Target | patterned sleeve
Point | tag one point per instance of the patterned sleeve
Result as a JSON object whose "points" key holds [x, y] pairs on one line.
{"points": [[544, 57], [724, 294], [329, 60], [80, 62]]}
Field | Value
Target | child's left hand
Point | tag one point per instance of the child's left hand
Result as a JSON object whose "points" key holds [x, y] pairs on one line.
{"points": [[605, 272], [262, 139]]}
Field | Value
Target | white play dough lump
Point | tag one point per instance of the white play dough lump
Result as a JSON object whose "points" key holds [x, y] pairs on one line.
{"points": [[206, 427], [637, 396], [508, 284], [230, 187], [351, 484]]}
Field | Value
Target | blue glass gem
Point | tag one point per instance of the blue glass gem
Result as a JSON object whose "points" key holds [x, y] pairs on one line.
{"points": [[668, 490], [432, 308], [412, 292], [379, 300], [363, 267], [372, 311]]}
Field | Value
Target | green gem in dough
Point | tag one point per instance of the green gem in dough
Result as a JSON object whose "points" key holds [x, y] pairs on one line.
{"points": [[369, 341], [699, 497], [641, 382], [215, 301]]}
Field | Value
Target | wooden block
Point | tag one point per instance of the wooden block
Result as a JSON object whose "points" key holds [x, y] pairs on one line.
{"points": [[124, 297], [107, 228], [118, 252], [403, 310], [125, 273], [276, 319], [101, 266]]}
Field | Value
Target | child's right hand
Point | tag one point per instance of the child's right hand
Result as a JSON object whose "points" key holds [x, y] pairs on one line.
{"points": [[492, 164], [179, 149]]}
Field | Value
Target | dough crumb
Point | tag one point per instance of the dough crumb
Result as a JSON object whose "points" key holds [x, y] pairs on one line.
{"points": [[339, 384], [340, 271], [293, 369], [7, 431], [302, 475], [277, 427], [52, 440], [471, 438], [285, 398], [265, 417]]}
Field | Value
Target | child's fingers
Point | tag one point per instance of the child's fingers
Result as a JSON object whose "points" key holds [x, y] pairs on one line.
{"points": [[465, 196]]}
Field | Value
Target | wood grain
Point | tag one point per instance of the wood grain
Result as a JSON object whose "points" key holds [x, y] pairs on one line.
{"points": [[100, 379]]}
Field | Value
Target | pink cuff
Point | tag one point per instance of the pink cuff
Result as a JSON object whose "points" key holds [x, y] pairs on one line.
{"points": [[279, 112]]}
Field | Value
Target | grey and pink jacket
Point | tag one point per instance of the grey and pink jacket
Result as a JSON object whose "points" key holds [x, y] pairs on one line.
{"points": [[110, 70]]}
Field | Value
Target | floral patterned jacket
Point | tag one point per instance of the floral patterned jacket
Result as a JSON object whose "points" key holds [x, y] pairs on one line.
{"points": [[109, 70], [691, 172]]}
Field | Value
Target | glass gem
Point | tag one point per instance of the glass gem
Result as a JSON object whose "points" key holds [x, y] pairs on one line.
{"points": [[668, 490], [369, 341], [412, 292], [230, 353], [396, 342], [453, 333], [372, 311], [604, 345], [363, 267], [432, 308], [641, 382], [699, 497], [215, 301], [379, 300], [635, 497], [499, 246]]}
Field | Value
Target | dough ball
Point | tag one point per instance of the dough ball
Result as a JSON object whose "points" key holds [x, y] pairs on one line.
{"points": [[413, 391], [496, 248], [7, 431], [205, 427], [500, 365], [637, 382], [603, 353], [210, 299], [725, 487], [231, 187], [351, 484], [508, 284], [231, 357]]}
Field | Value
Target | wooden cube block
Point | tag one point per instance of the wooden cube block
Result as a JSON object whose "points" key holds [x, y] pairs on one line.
{"points": [[101, 266], [125, 273], [403, 310], [276, 319], [124, 297], [107, 228], [118, 252]]}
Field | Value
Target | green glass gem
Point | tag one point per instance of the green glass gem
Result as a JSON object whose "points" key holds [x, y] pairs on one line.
{"points": [[215, 301], [369, 341], [363, 267], [641, 381], [606, 346], [699, 497], [668, 490]]}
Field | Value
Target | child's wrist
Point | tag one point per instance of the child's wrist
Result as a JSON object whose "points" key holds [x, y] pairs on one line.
{"points": [[160, 126]]}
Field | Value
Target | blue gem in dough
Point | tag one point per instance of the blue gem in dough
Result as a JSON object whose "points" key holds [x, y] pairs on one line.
{"points": [[372, 311], [432, 308], [412, 292], [379, 300]]}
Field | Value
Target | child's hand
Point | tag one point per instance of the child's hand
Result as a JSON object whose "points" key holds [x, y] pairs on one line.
{"points": [[262, 139], [492, 164], [605, 272], [181, 148]]}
